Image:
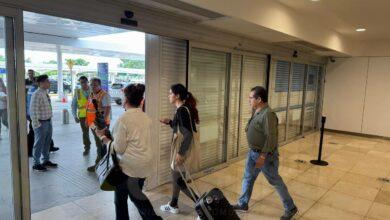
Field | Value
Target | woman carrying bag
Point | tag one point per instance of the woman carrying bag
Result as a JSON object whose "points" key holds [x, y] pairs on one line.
{"points": [[132, 135], [184, 152]]}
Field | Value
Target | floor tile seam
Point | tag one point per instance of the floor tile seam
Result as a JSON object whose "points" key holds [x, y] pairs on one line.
{"points": [[86, 211], [371, 206], [376, 177], [316, 201], [319, 201]]}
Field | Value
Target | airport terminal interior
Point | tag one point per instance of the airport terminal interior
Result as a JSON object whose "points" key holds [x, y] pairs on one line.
{"points": [[324, 64]]}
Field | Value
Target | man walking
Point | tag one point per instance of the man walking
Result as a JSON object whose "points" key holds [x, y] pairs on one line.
{"points": [[79, 111], [103, 101], [41, 114], [263, 156]]}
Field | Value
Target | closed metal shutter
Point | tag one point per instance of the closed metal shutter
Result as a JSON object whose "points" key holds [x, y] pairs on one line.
{"points": [[253, 74], [234, 106], [173, 64], [295, 100], [207, 82], [311, 97], [278, 93]]}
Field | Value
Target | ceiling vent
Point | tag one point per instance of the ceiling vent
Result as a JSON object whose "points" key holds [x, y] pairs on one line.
{"points": [[190, 8]]}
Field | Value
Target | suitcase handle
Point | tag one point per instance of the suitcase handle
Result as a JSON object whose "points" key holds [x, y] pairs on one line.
{"points": [[192, 182]]}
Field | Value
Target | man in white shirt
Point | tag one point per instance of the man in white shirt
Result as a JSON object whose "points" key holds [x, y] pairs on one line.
{"points": [[41, 113]]}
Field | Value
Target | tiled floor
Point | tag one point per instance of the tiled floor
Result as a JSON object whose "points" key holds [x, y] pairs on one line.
{"points": [[346, 189]]}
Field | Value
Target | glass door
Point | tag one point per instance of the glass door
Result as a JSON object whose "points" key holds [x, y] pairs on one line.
{"points": [[278, 93], [207, 82], [12, 172], [311, 98], [253, 74], [295, 103]]}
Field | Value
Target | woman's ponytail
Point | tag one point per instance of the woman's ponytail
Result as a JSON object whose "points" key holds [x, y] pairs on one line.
{"points": [[191, 102]]}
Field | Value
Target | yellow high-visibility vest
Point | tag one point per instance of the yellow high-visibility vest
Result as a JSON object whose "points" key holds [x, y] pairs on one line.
{"points": [[82, 102]]}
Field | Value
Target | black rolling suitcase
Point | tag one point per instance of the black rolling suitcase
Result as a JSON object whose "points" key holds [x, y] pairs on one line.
{"points": [[212, 205]]}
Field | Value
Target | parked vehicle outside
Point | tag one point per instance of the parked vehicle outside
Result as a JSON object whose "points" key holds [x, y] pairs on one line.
{"points": [[116, 92], [54, 87]]}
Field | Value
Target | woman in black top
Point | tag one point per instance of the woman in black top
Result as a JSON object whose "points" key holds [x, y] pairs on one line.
{"points": [[185, 103]]}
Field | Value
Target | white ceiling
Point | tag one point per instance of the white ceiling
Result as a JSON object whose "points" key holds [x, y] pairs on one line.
{"points": [[64, 27], [344, 16]]}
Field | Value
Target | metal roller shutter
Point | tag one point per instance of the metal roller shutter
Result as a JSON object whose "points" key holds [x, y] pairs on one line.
{"points": [[278, 93], [207, 82], [311, 97], [173, 64], [295, 100], [253, 74], [234, 106]]}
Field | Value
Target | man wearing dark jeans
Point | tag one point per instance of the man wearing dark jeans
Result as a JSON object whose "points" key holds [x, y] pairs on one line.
{"points": [[132, 187]]}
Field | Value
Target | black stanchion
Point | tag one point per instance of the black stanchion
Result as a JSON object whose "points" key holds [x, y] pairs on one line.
{"points": [[319, 161]]}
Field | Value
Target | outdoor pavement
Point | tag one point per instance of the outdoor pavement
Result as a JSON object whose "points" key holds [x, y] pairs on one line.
{"points": [[70, 181]]}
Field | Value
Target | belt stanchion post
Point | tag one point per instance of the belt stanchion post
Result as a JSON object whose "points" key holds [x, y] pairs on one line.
{"points": [[319, 161]]}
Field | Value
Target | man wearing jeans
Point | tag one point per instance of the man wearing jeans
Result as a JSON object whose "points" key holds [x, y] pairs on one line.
{"points": [[263, 156], [41, 114]]}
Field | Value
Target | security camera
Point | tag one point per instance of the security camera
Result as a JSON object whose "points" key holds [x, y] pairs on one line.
{"points": [[295, 54], [332, 59]]}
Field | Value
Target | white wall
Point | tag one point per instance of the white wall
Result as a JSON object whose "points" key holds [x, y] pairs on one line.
{"points": [[376, 118], [356, 95]]}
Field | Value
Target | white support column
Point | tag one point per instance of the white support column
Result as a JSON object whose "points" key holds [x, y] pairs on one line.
{"points": [[60, 87]]}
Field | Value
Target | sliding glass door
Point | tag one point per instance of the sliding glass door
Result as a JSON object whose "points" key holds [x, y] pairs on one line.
{"points": [[13, 159], [207, 81]]}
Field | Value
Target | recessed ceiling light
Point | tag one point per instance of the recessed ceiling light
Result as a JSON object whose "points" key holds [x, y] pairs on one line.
{"points": [[315, 0], [360, 29]]}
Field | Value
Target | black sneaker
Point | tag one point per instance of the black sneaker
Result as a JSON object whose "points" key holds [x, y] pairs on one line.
{"points": [[240, 208], [290, 214], [39, 168], [54, 149], [86, 152], [91, 168], [50, 164]]}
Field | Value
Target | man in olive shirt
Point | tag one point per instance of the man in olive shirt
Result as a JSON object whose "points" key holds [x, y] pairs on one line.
{"points": [[263, 156]]}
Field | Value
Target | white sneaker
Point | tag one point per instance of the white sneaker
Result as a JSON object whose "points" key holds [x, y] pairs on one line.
{"points": [[169, 208]]}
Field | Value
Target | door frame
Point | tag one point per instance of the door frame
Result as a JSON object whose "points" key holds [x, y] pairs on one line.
{"points": [[14, 50]]}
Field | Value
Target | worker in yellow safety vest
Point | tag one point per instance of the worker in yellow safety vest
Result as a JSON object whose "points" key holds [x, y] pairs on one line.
{"points": [[79, 110], [104, 107]]}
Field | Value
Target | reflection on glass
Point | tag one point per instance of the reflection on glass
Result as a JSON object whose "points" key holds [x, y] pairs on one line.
{"points": [[253, 74], [6, 199], [311, 97], [207, 82], [295, 100], [278, 91], [234, 105]]}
